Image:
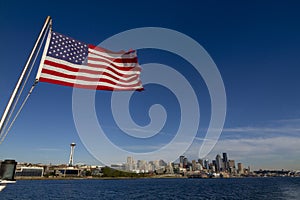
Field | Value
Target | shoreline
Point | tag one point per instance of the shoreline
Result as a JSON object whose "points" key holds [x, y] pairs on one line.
{"points": [[133, 178]]}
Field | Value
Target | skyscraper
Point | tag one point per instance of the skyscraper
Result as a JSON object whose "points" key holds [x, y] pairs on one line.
{"points": [[130, 163], [231, 166], [225, 161], [219, 163], [200, 161], [206, 164], [181, 158], [185, 163], [240, 168]]}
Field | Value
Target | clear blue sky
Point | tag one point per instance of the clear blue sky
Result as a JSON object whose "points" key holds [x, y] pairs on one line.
{"points": [[255, 46]]}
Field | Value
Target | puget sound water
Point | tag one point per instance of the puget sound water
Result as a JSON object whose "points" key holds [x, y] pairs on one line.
{"points": [[284, 188]]}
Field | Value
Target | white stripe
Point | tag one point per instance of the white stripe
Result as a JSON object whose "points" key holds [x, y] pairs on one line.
{"points": [[109, 64], [114, 55], [134, 81], [123, 64], [88, 75], [77, 66], [87, 83]]}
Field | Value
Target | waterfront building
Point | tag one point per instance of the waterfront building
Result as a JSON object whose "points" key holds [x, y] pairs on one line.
{"points": [[118, 166], [30, 172], [68, 172], [143, 166], [169, 169], [240, 168]]}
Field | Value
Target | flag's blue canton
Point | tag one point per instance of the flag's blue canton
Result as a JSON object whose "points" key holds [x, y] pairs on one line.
{"points": [[68, 49]]}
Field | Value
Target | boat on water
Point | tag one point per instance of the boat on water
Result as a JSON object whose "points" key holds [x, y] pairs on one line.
{"points": [[7, 173], [3, 184]]}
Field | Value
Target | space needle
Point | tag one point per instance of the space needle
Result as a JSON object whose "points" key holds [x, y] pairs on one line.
{"points": [[71, 154]]}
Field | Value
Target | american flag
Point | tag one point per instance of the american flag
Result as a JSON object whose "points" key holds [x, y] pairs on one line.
{"points": [[73, 63]]}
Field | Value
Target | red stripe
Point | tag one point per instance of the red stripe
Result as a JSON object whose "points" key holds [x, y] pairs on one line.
{"points": [[84, 78], [98, 66], [88, 71], [117, 60], [88, 86]]}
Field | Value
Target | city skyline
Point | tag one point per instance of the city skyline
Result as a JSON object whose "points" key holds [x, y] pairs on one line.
{"points": [[254, 46]]}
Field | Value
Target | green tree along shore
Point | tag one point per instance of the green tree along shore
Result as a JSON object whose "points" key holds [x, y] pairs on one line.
{"points": [[109, 172]]}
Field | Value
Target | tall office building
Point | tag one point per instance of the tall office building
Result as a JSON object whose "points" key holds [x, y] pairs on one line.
{"points": [[219, 163], [185, 163], [194, 166], [200, 161], [130, 163], [240, 168], [225, 161], [206, 164], [181, 158], [231, 166], [213, 166]]}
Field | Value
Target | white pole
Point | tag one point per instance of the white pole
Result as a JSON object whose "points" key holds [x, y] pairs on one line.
{"points": [[44, 54], [13, 95]]}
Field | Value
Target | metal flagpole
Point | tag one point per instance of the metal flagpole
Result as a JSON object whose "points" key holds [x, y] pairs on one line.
{"points": [[13, 95], [44, 54]]}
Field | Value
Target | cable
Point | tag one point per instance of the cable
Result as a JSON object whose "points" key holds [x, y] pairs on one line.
{"points": [[3, 134]]}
